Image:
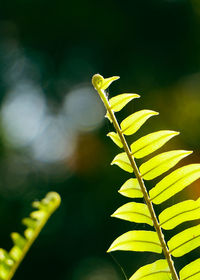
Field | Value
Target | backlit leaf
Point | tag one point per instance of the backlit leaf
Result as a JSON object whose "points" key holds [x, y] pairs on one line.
{"points": [[131, 188], [30, 223], [115, 138], [185, 241], [15, 253], [106, 82], [181, 212], [18, 240], [159, 270], [137, 240], [134, 212], [161, 163], [29, 233], [118, 102], [123, 162], [132, 123], [107, 115], [191, 271], [100, 83], [151, 142], [174, 182]]}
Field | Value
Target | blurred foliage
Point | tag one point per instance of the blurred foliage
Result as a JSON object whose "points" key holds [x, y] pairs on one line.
{"points": [[52, 134], [9, 261]]}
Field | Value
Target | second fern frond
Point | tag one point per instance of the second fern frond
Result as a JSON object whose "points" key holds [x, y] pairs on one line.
{"points": [[9, 261]]}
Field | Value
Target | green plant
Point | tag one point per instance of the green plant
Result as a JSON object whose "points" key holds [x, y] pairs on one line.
{"points": [[147, 240], [9, 261]]}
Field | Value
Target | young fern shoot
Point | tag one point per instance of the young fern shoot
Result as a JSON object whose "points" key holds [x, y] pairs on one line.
{"points": [[9, 261], [142, 240]]}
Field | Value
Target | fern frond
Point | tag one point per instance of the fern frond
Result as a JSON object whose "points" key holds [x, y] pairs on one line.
{"points": [[127, 162], [170, 185], [153, 241], [9, 261]]}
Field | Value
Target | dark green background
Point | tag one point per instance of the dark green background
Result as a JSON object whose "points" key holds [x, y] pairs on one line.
{"points": [[154, 46]]}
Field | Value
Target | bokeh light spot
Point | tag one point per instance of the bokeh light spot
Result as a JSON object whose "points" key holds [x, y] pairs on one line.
{"points": [[56, 141], [84, 108], [95, 269], [22, 114]]}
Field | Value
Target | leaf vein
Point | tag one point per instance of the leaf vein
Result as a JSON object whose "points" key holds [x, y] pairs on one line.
{"points": [[134, 212], [187, 211], [195, 237], [155, 272], [172, 184], [160, 164], [191, 275], [143, 147]]}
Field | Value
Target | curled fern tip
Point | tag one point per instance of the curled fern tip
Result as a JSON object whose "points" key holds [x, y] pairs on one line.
{"points": [[100, 83]]}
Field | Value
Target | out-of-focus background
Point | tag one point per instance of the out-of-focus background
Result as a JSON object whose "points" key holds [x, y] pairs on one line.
{"points": [[52, 126]]}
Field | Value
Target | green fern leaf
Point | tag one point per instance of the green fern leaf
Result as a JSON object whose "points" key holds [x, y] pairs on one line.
{"points": [[179, 213], [174, 183], [138, 240], [161, 163], [191, 271], [107, 115], [115, 138], [185, 241], [123, 162], [158, 270], [134, 212], [131, 188], [119, 101], [9, 261], [99, 82], [132, 123], [151, 142]]}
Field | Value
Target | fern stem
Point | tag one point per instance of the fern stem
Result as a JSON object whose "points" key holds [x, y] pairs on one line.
{"points": [[141, 183]]}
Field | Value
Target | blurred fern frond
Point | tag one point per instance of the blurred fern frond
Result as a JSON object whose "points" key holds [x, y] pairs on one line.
{"points": [[10, 260]]}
